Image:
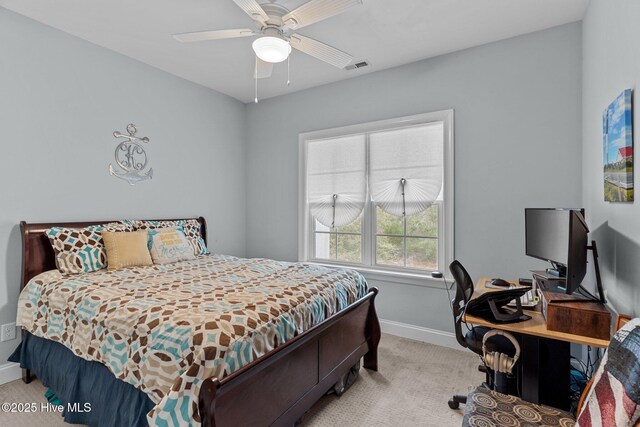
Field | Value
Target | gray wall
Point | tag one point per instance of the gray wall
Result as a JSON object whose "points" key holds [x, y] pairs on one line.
{"points": [[611, 63], [60, 99], [517, 144], [518, 121]]}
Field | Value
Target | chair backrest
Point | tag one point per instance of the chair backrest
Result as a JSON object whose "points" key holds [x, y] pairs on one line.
{"points": [[464, 290]]}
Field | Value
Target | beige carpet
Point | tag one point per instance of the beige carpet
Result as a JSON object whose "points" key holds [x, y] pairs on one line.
{"points": [[412, 387]]}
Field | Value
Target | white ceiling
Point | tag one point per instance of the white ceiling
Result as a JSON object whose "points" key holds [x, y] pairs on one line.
{"points": [[384, 32]]}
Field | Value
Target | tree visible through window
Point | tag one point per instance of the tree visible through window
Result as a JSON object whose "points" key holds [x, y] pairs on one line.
{"points": [[339, 243], [410, 241]]}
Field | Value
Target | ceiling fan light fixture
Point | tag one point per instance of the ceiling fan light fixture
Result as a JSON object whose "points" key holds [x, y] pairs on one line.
{"points": [[271, 49]]}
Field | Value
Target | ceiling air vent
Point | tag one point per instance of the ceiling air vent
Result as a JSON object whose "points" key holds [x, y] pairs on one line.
{"points": [[359, 64]]}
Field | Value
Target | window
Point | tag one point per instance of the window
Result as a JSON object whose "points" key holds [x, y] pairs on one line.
{"points": [[379, 195], [409, 241]]}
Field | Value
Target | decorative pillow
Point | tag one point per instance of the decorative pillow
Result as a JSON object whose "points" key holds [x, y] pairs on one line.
{"points": [[129, 223], [169, 245], [614, 398], [126, 249], [191, 228], [81, 250]]}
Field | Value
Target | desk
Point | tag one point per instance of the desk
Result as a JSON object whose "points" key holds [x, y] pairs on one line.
{"points": [[545, 355]]}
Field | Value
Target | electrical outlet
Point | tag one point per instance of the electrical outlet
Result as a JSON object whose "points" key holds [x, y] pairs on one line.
{"points": [[8, 332]]}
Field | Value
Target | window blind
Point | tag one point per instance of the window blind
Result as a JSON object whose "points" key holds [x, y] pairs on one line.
{"points": [[406, 168], [336, 179]]}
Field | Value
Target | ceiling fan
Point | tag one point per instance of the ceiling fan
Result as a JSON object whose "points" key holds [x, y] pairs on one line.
{"points": [[276, 27]]}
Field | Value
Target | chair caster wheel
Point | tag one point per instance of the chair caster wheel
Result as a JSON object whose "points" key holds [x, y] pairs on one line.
{"points": [[453, 404]]}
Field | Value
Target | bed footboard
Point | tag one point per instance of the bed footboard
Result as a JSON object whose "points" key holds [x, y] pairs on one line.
{"points": [[278, 388]]}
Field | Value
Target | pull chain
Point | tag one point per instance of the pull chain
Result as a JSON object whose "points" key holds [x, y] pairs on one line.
{"points": [[333, 222], [288, 72], [404, 206], [255, 76]]}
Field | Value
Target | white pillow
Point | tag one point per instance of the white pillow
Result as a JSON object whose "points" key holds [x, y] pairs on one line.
{"points": [[168, 245]]}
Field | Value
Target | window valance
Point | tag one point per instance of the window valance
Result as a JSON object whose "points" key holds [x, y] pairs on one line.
{"points": [[406, 168], [336, 179]]}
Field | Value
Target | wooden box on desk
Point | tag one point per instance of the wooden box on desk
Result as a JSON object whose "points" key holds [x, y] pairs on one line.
{"points": [[589, 319]]}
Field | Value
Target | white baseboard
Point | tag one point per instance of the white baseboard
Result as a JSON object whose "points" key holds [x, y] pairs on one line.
{"points": [[10, 372], [419, 333]]}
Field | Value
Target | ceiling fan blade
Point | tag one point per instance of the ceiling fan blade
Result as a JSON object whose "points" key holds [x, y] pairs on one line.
{"points": [[253, 9], [320, 50], [200, 36], [263, 69], [316, 10]]}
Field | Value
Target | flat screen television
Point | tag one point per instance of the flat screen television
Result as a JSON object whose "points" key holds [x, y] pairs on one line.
{"points": [[559, 236]]}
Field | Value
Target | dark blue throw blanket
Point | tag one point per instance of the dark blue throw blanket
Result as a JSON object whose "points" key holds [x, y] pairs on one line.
{"points": [[113, 402]]}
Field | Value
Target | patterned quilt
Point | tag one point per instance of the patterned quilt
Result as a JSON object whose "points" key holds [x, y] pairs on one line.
{"points": [[167, 328]]}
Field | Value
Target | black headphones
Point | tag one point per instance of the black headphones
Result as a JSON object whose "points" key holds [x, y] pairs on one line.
{"points": [[496, 361]]}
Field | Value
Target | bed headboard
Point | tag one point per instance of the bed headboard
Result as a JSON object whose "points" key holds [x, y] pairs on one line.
{"points": [[37, 253]]}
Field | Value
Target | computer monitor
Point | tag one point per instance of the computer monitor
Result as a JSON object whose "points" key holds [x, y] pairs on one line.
{"points": [[559, 236]]}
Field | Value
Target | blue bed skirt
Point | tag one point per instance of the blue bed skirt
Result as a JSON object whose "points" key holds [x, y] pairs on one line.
{"points": [[75, 380]]}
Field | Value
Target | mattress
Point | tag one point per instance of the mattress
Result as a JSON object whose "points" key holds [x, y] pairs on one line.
{"points": [[166, 328]]}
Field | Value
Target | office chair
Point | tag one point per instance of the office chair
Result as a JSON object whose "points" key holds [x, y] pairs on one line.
{"points": [[473, 337]]}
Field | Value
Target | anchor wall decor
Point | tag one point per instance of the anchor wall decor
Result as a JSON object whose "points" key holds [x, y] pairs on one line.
{"points": [[131, 159]]}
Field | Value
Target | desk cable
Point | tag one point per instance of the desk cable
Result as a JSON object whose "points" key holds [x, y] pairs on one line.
{"points": [[586, 368], [439, 275], [587, 294], [591, 366]]}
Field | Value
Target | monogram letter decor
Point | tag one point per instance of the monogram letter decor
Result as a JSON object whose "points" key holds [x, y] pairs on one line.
{"points": [[131, 159]]}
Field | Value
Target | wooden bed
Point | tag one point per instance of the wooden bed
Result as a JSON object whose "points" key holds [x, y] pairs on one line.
{"points": [[276, 389]]}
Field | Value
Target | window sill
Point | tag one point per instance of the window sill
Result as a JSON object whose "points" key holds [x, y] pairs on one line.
{"points": [[413, 279]]}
